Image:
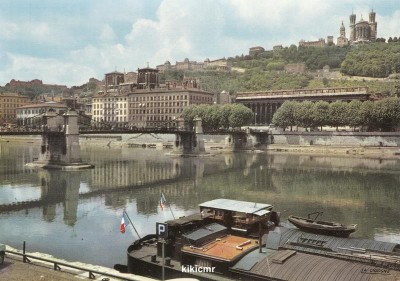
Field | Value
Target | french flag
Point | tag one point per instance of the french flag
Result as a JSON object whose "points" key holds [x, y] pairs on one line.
{"points": [[124, 222], [162, 200]]}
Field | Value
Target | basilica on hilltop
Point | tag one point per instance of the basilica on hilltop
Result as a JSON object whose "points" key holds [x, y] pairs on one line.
{"points": [[361, 32]]}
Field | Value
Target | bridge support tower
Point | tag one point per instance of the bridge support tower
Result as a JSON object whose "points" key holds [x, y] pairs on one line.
{"points": [[190, 143], [60, 148], [246, 140]]}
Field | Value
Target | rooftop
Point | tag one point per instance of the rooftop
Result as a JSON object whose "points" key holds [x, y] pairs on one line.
{"points": [[236, 206], [226, 248]]}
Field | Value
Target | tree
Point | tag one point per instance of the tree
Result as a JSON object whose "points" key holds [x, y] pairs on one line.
{"points": [[320, 113], [240, 116], [214, 116], [354, 117], [225, 113], [188, 115], [303, 114], [366, 114], [284, 116], [387, 113], [338, 114]]}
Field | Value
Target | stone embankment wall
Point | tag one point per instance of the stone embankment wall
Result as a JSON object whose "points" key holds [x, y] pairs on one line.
{"points": [[355, 139]]}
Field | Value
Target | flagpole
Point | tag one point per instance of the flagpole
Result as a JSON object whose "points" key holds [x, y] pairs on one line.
{"points": [[165, 201], [132, 224], [171, 210]]}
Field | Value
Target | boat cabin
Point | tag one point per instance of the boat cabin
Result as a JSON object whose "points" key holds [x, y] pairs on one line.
{"points": [[238, 215]]}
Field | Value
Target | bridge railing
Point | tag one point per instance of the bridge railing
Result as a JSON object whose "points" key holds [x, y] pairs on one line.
{"points": [[336, 90]]}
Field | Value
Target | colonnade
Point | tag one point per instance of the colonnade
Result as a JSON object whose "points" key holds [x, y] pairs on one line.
{"points": [[263, 112]]}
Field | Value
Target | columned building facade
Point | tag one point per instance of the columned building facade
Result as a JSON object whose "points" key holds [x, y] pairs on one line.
{"points": [[265, 104]]}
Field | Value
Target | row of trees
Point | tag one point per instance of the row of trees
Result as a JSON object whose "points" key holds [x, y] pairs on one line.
{"points": [[372, 60], [218, 116], [382, 115]]}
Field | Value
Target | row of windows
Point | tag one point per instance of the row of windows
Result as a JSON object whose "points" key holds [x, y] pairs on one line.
{"points": [[149, 104], [139, 111], [11, 100], [137, 118], [13, 105], [7, 111], [159, 104], [109, 112], [30, 111], [144, 98]]}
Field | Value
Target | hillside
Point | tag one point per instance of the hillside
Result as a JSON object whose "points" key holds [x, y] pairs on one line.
{"points": [[33, 89], [266, 70]]}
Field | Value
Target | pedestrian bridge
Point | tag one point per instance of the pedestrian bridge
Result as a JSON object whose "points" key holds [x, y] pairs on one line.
{"points": [[60, 146]]}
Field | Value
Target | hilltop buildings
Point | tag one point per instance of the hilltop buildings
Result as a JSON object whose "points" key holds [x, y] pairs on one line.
{"points": [[219, 65], [360, 32], [363, 31]]}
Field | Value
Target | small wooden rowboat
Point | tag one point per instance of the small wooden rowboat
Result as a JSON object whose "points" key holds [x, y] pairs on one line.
{"points": [[323, 227]]}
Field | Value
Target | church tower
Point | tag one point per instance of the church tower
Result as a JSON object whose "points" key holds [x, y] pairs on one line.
{"points": [[342, 40], [373, 25], [342, 31], [352, 27]]}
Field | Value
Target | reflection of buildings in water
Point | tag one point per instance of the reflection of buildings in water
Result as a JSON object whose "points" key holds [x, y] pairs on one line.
{"points": [[178, 178], [186, 191], [58, 186], [263, 179], [198, 167], [123, 173], [239, 159], [334, 163], [228, 160], [182, 193], [12, 161]]}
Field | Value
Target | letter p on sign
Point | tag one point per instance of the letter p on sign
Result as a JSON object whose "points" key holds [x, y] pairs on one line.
{"points": [[162, 230]]}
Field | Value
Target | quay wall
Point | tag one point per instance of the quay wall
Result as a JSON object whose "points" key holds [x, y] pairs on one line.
{"points": [[348, 139]]}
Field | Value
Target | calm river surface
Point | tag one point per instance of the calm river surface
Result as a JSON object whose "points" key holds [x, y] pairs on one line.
{"points": [[77, 215]]}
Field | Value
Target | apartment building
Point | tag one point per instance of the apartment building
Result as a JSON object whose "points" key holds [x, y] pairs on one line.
{"points": [[31, 114], [146, 104], [9, 102]]}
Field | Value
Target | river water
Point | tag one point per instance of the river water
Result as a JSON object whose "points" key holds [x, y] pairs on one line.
{"points": [[76, 215]]}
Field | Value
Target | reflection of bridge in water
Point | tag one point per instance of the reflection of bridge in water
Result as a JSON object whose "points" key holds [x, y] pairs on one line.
{"points": [[176, 179]]}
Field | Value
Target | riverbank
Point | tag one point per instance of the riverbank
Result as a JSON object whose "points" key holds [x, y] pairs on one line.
{"points": [[217, 146], [353, 151], [14, 269]]}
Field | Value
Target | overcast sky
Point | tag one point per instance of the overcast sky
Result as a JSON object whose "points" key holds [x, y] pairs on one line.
{"points": [[69, 41]]}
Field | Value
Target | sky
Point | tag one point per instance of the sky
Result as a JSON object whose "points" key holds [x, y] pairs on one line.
{"points": [[66, 42]]}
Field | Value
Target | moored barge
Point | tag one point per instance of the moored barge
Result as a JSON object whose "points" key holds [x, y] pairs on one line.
{"points": [[201, 247]]}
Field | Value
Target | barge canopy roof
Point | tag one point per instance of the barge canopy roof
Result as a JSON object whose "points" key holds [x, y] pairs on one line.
{"points": [[258, 209]]}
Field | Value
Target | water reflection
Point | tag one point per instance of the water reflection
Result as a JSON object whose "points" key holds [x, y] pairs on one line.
{"points": [[60, 205]]}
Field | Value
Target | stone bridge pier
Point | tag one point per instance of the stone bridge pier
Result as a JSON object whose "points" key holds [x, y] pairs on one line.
{"points": [[246, 140], [60, 148], [187, 142]]}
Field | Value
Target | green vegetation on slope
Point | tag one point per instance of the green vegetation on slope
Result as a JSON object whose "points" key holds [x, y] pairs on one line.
{"points": [[372, 60], [265, 71]]}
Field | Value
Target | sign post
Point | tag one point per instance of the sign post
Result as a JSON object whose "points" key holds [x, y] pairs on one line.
{"points": [[162, 234]]}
